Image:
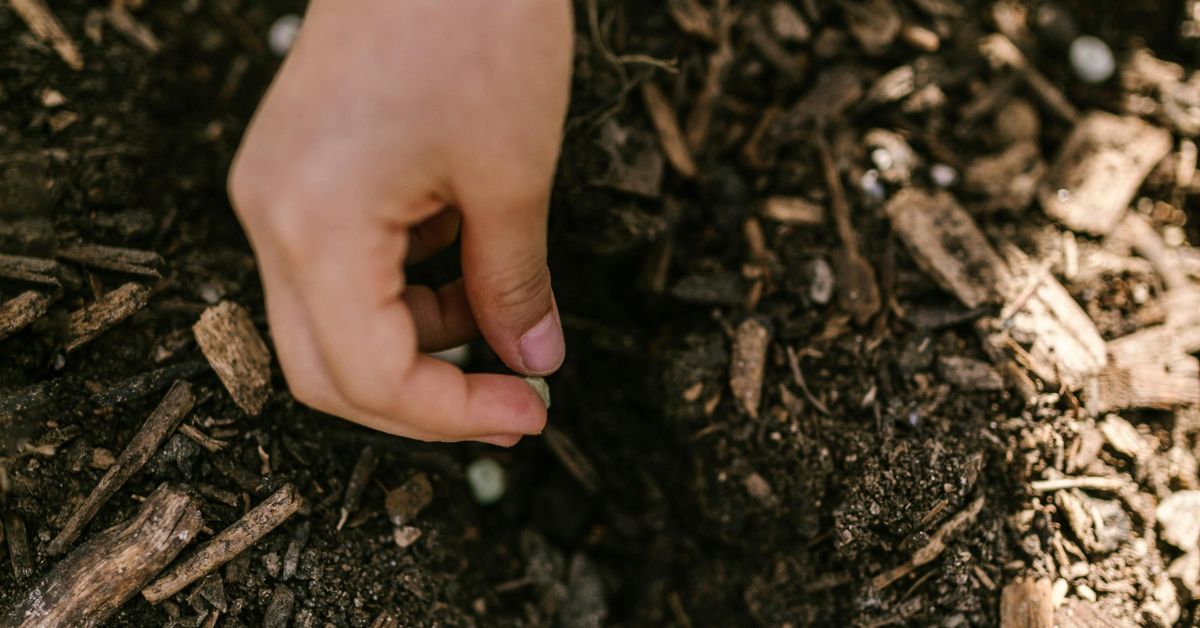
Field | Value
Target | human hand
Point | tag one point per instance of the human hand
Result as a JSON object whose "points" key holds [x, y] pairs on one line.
{"points": [[391, 123]]}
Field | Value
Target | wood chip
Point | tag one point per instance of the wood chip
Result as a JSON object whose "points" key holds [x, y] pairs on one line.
{"points": [[1084, 482], [1027, 603], [1075, 613], [360, 476], [19, 553], [749, 363], [406, 501], [572, 458], [279, 609], [92, 582], [671, 137], [45, 26], [237, 353], [30, 269], [162, 422], [969, 374], [1099, 169], [226, 545], [835, 91], [21, 310], [133, 261], [693, 18], [947, 245], [88, 322], [793, 210], [873, 23]]}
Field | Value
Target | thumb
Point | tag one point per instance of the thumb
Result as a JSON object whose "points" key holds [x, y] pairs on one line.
{"points": [[508, 283]]}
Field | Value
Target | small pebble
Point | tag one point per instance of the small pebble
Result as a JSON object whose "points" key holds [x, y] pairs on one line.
{"points": [[821, 281], [283, 33], [1174, 236], [872, 186], [942, 175], [540, 387], [1092, 59], [882, 158], [406, 536], [487, 481]]}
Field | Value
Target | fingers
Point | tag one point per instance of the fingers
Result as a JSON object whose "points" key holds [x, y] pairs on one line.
{"points": [[508, 283], [443, 317], [366, 339], [431, 236]]}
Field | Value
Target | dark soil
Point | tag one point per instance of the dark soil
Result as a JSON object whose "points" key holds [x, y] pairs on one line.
{"points": [[699, 514]]}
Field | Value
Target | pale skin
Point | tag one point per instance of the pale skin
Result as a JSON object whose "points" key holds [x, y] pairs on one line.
{"points": [[393, 127]]}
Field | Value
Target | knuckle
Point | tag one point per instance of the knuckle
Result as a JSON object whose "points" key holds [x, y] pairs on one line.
{"points": [[520, 286]]}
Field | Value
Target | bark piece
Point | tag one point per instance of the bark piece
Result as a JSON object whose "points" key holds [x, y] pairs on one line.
{"points": [[237, 353], [749, 364], [92, 582], [1152, 381], [21, 310], [1076, 613], [873, 23], [18, 545], [279, 609], [946, 244], [120, 259], [147, 383], [669, 134], [406, 501], [166, 417], [360, 476], [226, 545], [31, 269], [1027, 603], [969, 374], [1099, 169], [45, 26], [793, 210], [88, 322]]}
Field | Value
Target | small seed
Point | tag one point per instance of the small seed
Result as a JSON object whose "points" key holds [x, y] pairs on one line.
{"points": [[540, 387], [487, 481]]}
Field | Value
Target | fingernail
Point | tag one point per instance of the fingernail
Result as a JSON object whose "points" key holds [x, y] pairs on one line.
{"points": [[500, 440], [542, 347]]}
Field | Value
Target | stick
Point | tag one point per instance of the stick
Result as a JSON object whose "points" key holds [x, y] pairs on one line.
{"points": [[116, 258], [98, 577], [176, 405], [669, 133], [45, 26], [143, 384], [18, 545], [31, 396], [237, 353], [21, 310], [859, 293], [31, 269], [88, 322], [1094, 483], [224, 547], [368, 459]]}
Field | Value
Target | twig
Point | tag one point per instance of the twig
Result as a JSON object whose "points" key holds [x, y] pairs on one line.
{"points": [[932, 549], [43, 24], [143, 384], [572, 458], [669, 134], [31, 269], [1086, 482], [798, 377], [116, 258], [859, 293], [226, 545], [173, 408], [368, 459], [87, 586], [593, 12]]}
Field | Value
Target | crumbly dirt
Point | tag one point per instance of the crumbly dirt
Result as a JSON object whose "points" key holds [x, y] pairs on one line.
{"points": [[670, 504]]}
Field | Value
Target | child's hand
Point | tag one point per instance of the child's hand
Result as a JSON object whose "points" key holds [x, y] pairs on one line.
{"points": [[386, 114]]}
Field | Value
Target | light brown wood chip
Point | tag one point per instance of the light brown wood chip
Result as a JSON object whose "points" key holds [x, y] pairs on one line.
{"points": [[237, 353]]}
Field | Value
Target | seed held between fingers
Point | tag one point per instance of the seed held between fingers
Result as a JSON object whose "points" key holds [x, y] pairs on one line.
{"points": [[540, 387]]}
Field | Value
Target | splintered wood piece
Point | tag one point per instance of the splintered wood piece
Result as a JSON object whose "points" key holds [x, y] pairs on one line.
{"points": [[84, 324], [793, 210], [237, 353], [1076, 613], [835, 91], [18, 545], [749, 364], [360, 476], [1099, 169], [693, 18], [116, 258], [92, 582], [572, 458], [140, 34], [162, 422], [226, 545], [1065, 346], [946, 244], [21, 310], [279, 609], [31, 269], [1147, 370], [932, 549], [859, 291], [143, 384], [406, 501], [669, 134], [1027, 603], [1148, 243], [45, 26]]}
